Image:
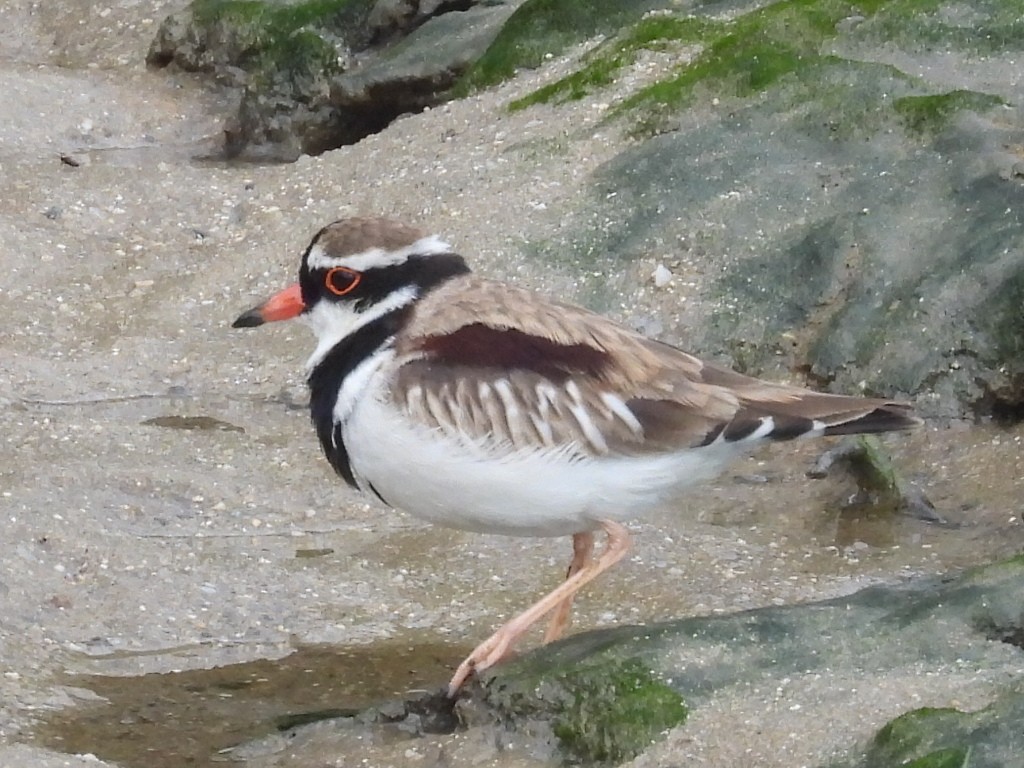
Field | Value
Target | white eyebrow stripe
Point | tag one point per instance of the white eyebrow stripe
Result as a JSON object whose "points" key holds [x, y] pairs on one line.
{"points": [[318, 258]]}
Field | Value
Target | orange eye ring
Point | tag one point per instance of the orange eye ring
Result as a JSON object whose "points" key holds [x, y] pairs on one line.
{"points": [[342, 280]]}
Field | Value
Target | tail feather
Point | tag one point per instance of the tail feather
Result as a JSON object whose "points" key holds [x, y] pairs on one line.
{"points": [[889, 417], [813, 413]]}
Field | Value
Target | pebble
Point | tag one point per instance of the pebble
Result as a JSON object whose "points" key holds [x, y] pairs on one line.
{"points": [[662, 276]]}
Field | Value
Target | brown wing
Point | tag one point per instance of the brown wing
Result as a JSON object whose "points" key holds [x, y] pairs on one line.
{"points": [[500, 366]]}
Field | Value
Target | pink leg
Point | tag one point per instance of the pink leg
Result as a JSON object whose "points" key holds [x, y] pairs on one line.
{"points": [[582, 549], [494, 648]]}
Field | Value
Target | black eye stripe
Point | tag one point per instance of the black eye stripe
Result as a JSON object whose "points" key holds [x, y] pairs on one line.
{"points": [[375, 284], [422, 272]]}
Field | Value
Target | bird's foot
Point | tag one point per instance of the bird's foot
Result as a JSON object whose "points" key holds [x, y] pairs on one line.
{"points": [[496, 647], [489, 652]]}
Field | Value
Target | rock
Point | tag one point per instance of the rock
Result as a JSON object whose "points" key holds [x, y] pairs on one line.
{"points": [[280, 56], [285, 59], [662, 276], [945, 737], [887, 258], [959, 624], [416, 73], [921, 294], [599, 711], [879, 483], [784, 173], [391, 18], [607, 696], [223, 36]]}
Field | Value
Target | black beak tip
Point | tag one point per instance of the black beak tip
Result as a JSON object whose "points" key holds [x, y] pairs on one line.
{"points": [[250, 319]]}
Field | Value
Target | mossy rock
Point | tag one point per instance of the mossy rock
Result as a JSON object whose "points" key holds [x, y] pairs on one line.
{"points": [[931, 114], [602, 64], [260, 37], [540, 28], [981, 27], [772, 88], [786, 41], [596, 696], [932, 737], [789, 41], [603, 709]]}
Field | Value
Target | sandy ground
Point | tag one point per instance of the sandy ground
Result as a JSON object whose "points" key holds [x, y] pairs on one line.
{"points": [[163, 504]]}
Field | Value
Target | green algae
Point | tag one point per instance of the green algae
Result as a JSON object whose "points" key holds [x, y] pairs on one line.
{"points": [[603, 63], [782, 42], [268, 19], [902, 741], [940, 737], [750, 55], [601, 710], [942, 758], [930, 114], [614, 712], [539, 28], [905, 733], [267, 37], [981, 27]]}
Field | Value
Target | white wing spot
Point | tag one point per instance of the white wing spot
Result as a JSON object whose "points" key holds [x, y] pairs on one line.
{"points": [[463, 408], [546, 395], [581, 414], [508, 398], [543, 426], [615, 404], [767, 425], [573, 391], [493, 411], [436, 408], [513, 413], [414, 400], [590, 430]]}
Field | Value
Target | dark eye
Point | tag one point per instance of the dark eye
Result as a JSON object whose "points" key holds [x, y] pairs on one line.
{"points": [[342, 280]]}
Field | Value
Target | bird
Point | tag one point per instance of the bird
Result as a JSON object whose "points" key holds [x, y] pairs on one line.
{"points": [[479, 405]]}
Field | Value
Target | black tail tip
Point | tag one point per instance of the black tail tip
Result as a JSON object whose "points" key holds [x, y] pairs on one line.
{"points": [[891, 417]]}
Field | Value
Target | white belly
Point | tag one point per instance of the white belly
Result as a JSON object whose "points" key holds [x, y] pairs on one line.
{"points": [[524, 493]]}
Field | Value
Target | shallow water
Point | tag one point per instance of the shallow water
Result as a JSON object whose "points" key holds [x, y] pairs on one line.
{"points": [[196, 717]]}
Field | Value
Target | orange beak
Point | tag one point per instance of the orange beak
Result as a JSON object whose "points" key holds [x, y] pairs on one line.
{"points": [[283, 305]]}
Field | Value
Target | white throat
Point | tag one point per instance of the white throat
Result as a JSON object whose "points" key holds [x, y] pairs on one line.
{"points": [[333, 321]]}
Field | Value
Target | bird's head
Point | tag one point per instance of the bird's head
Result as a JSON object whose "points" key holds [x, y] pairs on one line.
{"points": [[355, 271]]}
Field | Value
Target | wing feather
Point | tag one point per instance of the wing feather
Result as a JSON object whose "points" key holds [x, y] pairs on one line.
{"points": [[499, 366]]}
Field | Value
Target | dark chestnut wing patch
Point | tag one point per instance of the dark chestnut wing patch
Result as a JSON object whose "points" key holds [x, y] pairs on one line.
{"points": [[483, 346]]}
